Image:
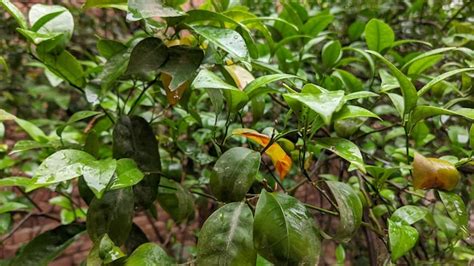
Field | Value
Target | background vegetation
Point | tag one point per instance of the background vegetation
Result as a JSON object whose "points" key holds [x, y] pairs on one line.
{"points": [[277, 132]]}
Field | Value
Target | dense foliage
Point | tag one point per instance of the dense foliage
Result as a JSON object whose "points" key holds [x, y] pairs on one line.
{"points": [[236, 111]]}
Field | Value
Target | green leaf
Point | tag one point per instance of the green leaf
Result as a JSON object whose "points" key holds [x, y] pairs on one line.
{"points": [[284, 232], [133, 138], [471, 137], [208, 80], [15, 181], [402, 239], [402, 42], [355, 30], [442, 77], [426, 111], [324, 103], [350, 81], [119, 4], [398, 103], [226, 39], [367, 57], [409, 214], [5, 222], [149, 254], [234, 174], [378, 35], [78, 116], [182, 65], [148, 55], [127, 174], [114, 68], [175, 200], [98, 174], [14, 12], [135, 239], [455, 207], [108, 251], [45, 19], [345, 149], [446, 225], [24, 145], [61, 166], [141, 9], [12, 206], [421, 65], [340, 254], [253, 89], [331, 53], [435, 52], [66, 66], [359, 95], [33, 131], [350, 209], [410, 96], [41, 21], [227, 237], [112, 215], [109, 48], [352, 111], [317, 24], [49, 245]]}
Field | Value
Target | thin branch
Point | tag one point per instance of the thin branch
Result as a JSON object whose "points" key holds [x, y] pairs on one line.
{"points": [[135, 103]]}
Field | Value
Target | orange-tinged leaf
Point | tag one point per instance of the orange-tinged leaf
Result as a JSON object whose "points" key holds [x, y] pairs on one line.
{"points": [[240, 75], [434, 173], [280, 159], [173, 96]]}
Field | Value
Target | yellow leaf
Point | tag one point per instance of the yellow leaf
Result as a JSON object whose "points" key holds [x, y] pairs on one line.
{"points": [[240, 75], [280, 159], [173, 96], [434, 173]]}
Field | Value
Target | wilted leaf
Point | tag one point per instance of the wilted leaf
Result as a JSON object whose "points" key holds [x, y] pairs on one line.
{"points": [[241, 76], [181, 65], [280, 159], [434, 173]]}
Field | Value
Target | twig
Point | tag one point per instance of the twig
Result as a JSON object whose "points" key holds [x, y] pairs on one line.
{"points": [[465, 4], [141, 94], [22, 221], [321, 209], [30, 199]]}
